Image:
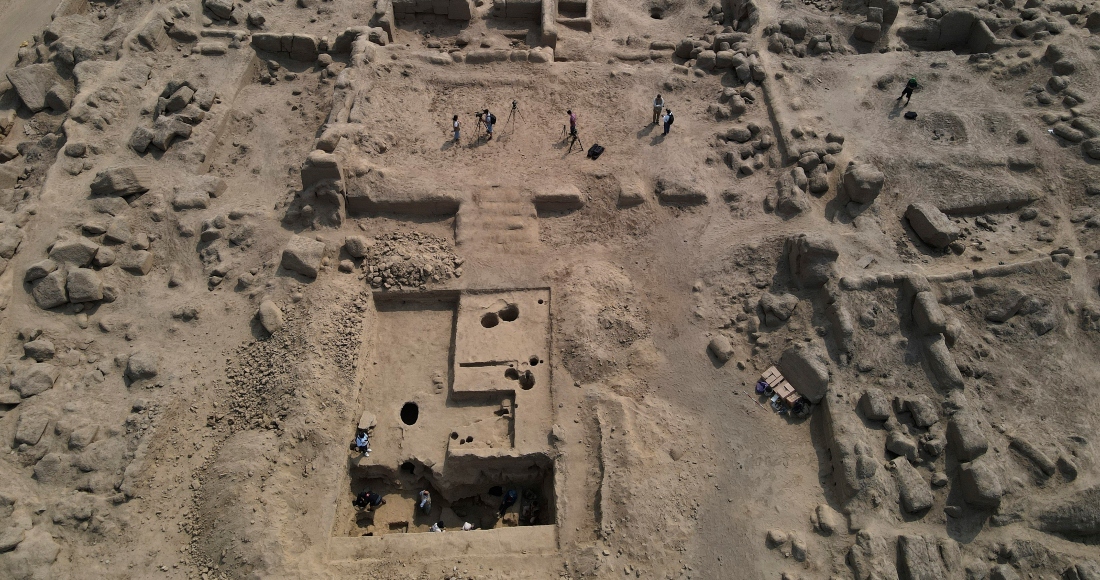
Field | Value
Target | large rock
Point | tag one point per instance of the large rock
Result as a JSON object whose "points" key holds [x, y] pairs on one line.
{"points": [[49, 292], [941, 363], [39, 270], [931, 225], [721, 348], [925, 413], [123, 180], [84, 285], [777, 308], [874, 405], [927, 314], [965, 437], [222, 9], [320, 166], [868, 31], [303, 255], [142, 365], [914, 492], [137, 262], [39, 349], [34, 379], [10, 238], [804, 368], [863, 182], [812, 259], [31, 427], [981, 485], [1079, 516], [919, 559], [33, 82], [358, 246], [74, 253], [672, 192], [271, 318]]}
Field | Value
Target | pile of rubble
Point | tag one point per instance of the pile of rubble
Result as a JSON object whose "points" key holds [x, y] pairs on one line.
{"points": [[407, 260]]}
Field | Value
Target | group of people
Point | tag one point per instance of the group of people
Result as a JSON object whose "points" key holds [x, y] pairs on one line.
{"points": [[369, 500], [484, 116], [667, 118]]}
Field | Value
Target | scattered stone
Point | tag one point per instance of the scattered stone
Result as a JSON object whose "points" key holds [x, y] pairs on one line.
{"points": [[49, 292], [34, 379], [925, 413], [123, 181], [874, 405], [776, 538], [927, 314], [271, 317], [39, 270], [142, 365], [721, 348], [357, 246], [303, 255], [931, 225], [777, 308], [118, 231], [863, 182], [31, 427], [74, 253], [965, 437], [898, 443], [1034, 454], [919, 559], [32, 82], [136, 262], [40, 349], [980, 484], [84, 285], [914, 492]]}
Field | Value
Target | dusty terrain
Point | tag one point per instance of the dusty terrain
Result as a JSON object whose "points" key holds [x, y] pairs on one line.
{"points": [[232, 233]]}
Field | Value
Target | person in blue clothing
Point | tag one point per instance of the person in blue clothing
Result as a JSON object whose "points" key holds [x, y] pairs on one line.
{"points": [[508, 501], [668, 120]]}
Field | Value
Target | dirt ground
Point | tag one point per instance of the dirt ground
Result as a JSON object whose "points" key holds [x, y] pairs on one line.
{"points": [[233, 233]]}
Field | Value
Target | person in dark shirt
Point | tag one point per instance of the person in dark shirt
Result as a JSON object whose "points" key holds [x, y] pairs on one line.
{"points": [[907, 92]]}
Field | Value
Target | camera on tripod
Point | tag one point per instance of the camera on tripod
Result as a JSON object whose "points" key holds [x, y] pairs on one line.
{"points": [[514, 104]]}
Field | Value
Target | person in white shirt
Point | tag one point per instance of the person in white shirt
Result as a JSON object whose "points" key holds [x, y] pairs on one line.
{"points": [[467, 527], [436, 527], [658, 106], [456, 125]]}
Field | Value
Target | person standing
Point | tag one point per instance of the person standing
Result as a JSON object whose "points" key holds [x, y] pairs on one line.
{"points": [[907, 92], [668, 120], [658, 106], [572, 123], [456, 126], [425, 504], [490, 120]]}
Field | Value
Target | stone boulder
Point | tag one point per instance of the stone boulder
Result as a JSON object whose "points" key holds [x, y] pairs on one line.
{"points": [[84, 285], [320, 166], [919, 559], [931, 225], [123, 180], [675, 193], [222, 9], [863, 182], [357, 246], [914, 492], [31, 427], [812, 259], [74, 253], [874, 405], [33, 82], [925, 413], [34, 379], [805, 369], [981, 485], [271, 317], [868, 31], [39, 270], [49, 292], [39, 349], [927, 314], [777, 309], [721, 348], [965, 437], [1078, 516], [941, 363], [10, 238], [303, 255], [142, 365]]}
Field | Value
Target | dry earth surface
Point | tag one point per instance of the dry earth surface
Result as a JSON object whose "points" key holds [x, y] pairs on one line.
{"points": [[233, 232]]}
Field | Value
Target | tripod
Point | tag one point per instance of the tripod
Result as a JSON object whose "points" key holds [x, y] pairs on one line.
{"points": [[574, 136], [512, 115], [477, 128]]}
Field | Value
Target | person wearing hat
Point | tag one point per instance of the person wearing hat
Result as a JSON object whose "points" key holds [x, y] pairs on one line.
{"points": [[907, 92]]}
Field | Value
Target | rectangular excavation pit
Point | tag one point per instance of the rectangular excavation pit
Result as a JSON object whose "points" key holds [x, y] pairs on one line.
{"points": [[457, 388]]}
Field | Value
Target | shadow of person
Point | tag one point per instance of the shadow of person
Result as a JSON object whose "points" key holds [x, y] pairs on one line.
{"points": [[647, 130], [658, 139], [895, 112], [448, 144]]}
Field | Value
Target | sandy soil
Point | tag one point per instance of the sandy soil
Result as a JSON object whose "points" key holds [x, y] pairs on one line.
{"points": [[224, 247]]}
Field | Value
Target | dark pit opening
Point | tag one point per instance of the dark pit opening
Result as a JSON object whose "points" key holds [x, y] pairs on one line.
{"points": [[527, 380], [454, 435], [408, 467], [496, 490], [510, 313], [490, 320], [511, 374], [469, 438], [410, 412], [656, 13], [533, 361], [540, 300]]}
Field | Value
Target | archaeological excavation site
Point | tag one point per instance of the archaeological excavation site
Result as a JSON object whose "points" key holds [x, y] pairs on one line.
{"points": [[550, 289]]}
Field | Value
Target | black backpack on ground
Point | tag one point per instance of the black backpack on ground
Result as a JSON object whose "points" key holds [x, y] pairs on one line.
{"points": [[595, 151]]}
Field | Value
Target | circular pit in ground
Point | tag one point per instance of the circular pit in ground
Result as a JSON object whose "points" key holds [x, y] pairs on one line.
{"points": [[410, 412]]}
